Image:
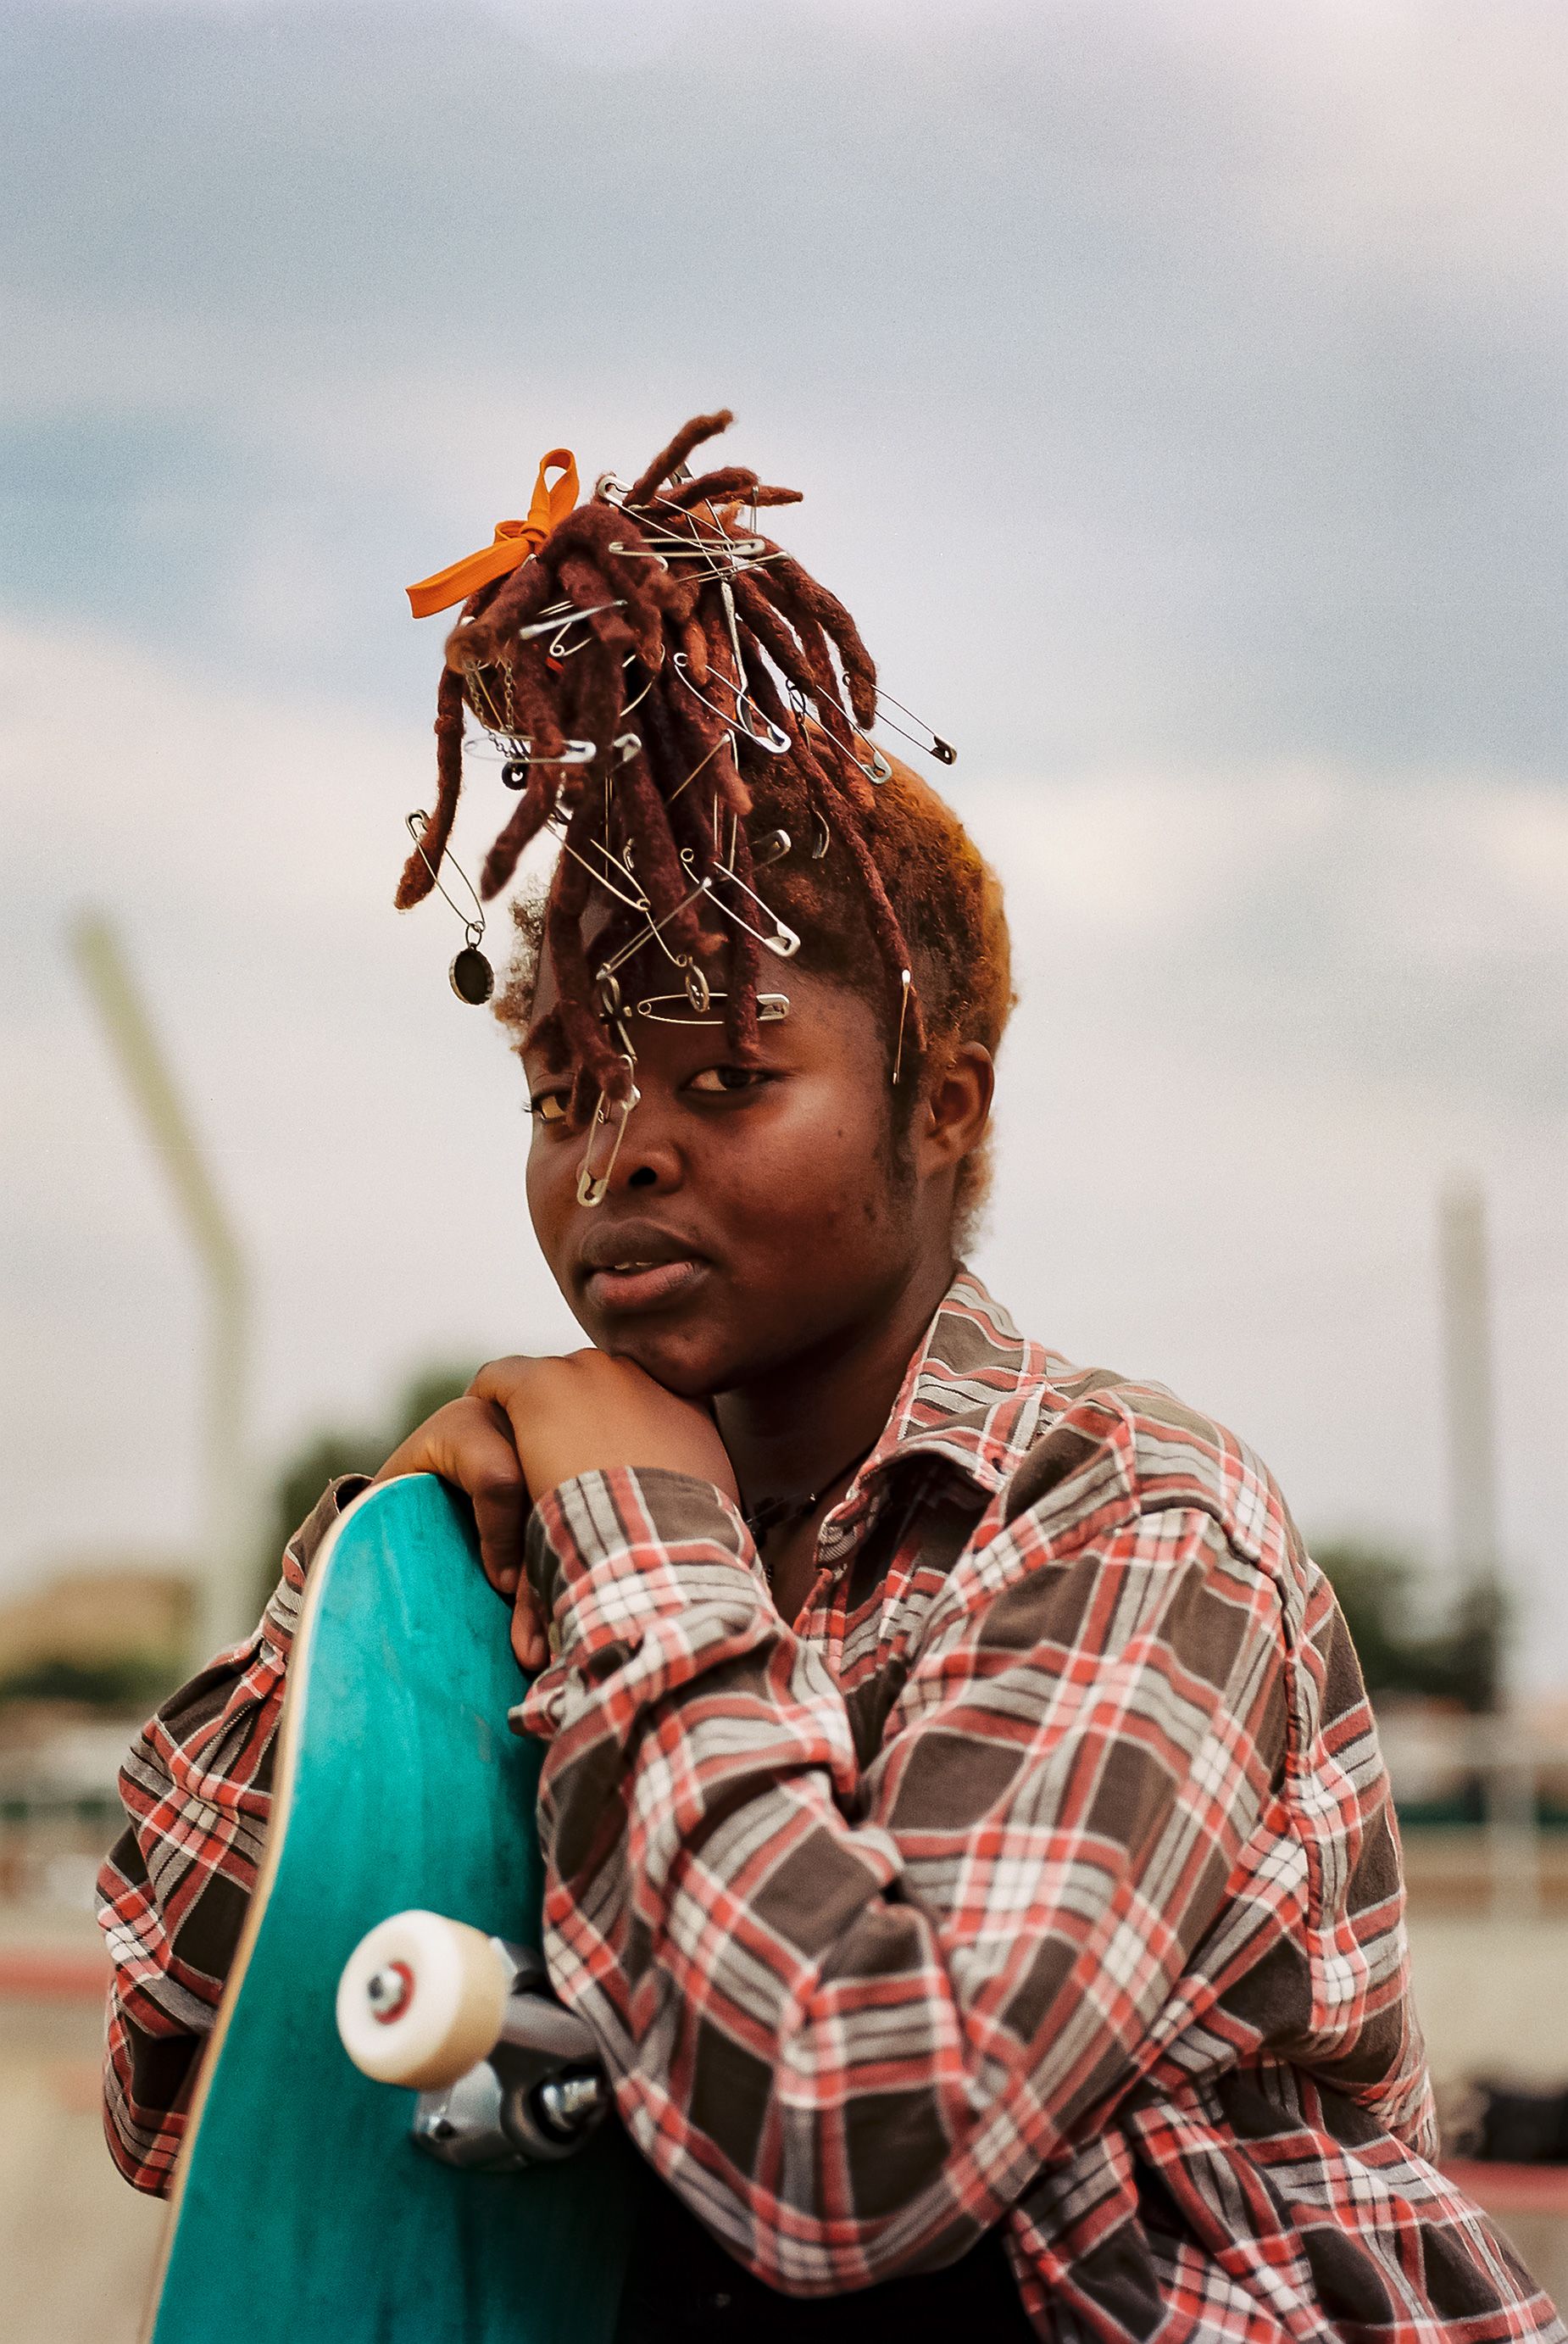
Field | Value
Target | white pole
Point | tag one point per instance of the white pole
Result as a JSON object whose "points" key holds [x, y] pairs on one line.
{"points": [[1499, 1744], [1467, 1343], [225, 1598]]}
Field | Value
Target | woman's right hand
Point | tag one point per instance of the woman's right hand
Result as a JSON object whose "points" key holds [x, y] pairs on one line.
{"points": [[470, 1443]]}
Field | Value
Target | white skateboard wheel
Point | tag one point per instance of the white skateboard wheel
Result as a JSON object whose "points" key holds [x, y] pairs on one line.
{"points": [[421, 2000]]}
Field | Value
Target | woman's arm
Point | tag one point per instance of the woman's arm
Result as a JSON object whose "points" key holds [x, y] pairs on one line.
{"points": [[849, 2016], [197, 1786], [173, 1892]]}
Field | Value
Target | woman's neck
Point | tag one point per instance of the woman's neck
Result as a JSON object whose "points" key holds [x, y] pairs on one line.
{"points": [[792, 1431]]}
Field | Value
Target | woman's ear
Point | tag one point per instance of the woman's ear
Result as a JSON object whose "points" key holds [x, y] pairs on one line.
{"points": [[952, 1119]]}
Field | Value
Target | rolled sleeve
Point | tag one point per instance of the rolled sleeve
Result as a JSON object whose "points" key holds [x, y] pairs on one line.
{"points": [[174, 1890], [645, 1578]]}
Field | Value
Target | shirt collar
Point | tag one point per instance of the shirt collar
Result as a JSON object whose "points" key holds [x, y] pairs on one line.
{"points": [[971, 1395]]}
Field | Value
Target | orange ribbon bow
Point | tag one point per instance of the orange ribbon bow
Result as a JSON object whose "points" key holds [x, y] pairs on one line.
{"points": [[514, 541]]}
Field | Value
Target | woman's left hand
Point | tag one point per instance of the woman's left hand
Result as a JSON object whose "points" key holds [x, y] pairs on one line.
{"points": [[589, 1413]]}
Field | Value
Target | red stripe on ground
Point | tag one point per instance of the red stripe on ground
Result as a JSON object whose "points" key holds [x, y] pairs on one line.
{"points": [[47, 1976], [1505, 2190]]}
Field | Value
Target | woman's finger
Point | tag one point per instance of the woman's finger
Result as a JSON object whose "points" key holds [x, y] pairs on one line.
{"points": [[470, 1443], [529, 1641], [489, 1472]]}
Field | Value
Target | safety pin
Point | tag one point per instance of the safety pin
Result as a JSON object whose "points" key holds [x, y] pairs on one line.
{"points": [[680, 548], [784, 942], [492, 742], [775, 740], [651, 933], [906, 981], [879, 770], [612, 1013], [418, 823], [594, 1187], [770, 1008], [705, 760], [559, 649], [638, 902], [628, 706], [522, 754], [698, 992], [563, 613], [557, 822], [934, 746], [689, 539]]}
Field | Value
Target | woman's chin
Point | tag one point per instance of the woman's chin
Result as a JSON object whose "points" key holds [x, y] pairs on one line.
{"points": [[686, 1361]]}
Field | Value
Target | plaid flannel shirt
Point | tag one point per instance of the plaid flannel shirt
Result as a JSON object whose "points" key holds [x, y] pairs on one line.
{"points": [[1044, 1873]]}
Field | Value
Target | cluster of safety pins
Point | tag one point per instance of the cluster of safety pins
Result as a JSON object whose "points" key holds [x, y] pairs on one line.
{"points": [[668, 536]]}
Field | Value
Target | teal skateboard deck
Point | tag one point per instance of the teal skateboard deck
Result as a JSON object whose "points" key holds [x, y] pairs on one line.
{"points": [[302, 2209]]}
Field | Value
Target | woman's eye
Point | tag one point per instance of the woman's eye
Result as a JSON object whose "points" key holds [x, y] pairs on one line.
{"points": [[713, 1081], [549, 1106]]}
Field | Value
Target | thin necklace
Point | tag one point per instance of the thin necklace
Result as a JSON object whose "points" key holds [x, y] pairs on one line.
{"points": [[772, 1513]]}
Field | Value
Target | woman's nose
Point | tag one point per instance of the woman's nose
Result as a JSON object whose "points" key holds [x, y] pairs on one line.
{"points": [[649, 1160]]}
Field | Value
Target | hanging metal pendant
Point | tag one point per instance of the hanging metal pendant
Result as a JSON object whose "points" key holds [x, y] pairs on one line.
{"points": [[473, 979]]}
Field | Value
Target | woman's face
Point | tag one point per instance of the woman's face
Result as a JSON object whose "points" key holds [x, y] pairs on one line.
{"points": [[752, 1215]]}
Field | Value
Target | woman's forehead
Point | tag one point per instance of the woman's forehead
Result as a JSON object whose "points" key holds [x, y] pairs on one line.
{"points": [[797, 1005]]}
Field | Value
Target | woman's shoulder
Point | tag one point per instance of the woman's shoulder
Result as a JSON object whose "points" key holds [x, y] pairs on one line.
{"points": [[1105, 1445]]}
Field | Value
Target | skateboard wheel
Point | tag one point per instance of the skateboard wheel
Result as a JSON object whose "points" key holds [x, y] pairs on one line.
{"points": [[421, 2000]]}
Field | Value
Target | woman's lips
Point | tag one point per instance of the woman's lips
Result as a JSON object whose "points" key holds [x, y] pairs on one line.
{"points": [[619, 1291]]}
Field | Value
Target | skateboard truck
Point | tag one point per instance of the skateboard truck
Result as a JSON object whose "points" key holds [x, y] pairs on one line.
{"points": [[505, 2077]]}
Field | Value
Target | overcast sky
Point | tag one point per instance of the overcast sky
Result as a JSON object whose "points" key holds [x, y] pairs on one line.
{"points": [[1179, 395]]}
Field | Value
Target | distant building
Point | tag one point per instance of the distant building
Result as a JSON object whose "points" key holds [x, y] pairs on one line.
{"points": [[101, 1631]]}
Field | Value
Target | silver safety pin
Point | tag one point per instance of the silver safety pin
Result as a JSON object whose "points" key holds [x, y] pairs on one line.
{"points": [[593, 1187], [770, 1008], [680, 548], [906, 980], [552, 620], [638, 902], [879, 770], [774, 739], [783, 943], [417, 824], [933, 744], [706, 759], [650, 935], [521, 751], [612, 1013]]}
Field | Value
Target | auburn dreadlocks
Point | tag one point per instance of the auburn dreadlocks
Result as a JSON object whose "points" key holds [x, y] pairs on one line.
{"points": [[680, 699]]}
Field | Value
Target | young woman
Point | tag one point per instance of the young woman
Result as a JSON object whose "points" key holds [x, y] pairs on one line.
{"points": [[965, 1827]]}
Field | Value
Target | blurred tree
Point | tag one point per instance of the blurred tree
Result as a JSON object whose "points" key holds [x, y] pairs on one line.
{"points": [[326, 1454], [137, 1681], [1459, 1662]]}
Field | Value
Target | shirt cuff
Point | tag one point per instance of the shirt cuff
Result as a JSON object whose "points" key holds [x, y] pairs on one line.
{"points": [[281, 1617], [637, 1564]]}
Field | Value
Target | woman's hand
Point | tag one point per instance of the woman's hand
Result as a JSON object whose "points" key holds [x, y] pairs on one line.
{"points": [[524, 1424]]}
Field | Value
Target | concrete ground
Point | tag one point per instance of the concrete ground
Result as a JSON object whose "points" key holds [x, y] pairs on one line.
{"points": [[76, 2246]]}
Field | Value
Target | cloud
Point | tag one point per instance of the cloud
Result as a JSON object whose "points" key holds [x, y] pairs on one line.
{"points": [[1169, 381]]}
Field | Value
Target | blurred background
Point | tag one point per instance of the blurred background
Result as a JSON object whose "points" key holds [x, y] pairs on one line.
{"points": [[1178, 392]]}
